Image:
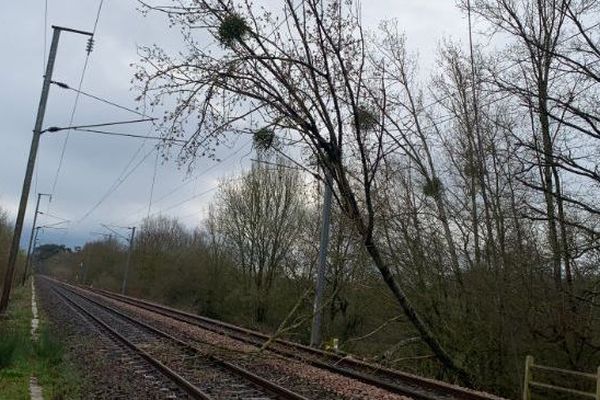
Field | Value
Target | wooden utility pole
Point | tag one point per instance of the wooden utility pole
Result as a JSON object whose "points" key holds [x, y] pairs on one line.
{"points": [[27, 260], [35, 141]]}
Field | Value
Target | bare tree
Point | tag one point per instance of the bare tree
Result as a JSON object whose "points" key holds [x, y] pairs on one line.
{"points": [[260, 217], [548, 68], [310, 80]]}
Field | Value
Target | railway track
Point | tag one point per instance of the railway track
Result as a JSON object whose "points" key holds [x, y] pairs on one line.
{"points": [[150, 375], [394, 381], [192, 370]]}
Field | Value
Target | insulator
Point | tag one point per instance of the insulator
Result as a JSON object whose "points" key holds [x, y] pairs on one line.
{"points": [[90, 45]]}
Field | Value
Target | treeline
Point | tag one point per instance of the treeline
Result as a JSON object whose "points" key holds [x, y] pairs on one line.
{"points": [[252, 262], [5, 235]]}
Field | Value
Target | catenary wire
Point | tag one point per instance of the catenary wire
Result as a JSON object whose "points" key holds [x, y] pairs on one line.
{"points": [[63, 85], [133, 121], [76, 102], [116, 185], [131, 135], [151, 194], [190, 180]]}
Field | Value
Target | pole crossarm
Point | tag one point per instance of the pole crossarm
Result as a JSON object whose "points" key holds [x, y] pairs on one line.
{"points": [[117, 233], [65, 29]]}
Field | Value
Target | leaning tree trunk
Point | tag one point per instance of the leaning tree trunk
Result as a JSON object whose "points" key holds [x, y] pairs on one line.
{"points": [[424, 331], [351, 209]]}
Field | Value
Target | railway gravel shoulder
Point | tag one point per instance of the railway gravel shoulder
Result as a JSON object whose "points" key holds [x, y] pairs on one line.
{"points": [[300, 377], [190, 360], [394, 381]]}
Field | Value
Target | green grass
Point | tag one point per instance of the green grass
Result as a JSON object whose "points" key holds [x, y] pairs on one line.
{"points": [[21, 357], [10, 347]]}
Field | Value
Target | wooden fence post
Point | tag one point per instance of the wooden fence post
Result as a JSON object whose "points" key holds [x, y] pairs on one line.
{"points": [[598, 385], [528, 364]]}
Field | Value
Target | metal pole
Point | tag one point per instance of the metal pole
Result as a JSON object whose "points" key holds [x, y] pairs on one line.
{"points": [[16, 238], [84, 272], [27, 260], [35, 141], [126, 275], [35, 242], [315, 334]]}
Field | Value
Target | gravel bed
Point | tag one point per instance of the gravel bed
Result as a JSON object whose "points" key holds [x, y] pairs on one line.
{"points": [[108, 370], [304, 379]]}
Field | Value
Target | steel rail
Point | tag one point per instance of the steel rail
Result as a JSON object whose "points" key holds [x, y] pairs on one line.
{"points": [[269, 386], [426, 389], [174, 376]]}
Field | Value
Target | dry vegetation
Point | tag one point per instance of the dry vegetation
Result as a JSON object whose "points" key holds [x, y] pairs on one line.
{"points": [[6, 229]]}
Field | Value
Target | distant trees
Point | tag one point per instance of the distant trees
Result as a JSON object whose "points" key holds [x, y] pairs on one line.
{"points": [[160, 246], [549, 72], [259, 218], [4, 231], [103, 263]]}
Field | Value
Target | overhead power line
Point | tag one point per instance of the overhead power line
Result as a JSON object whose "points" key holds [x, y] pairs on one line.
{"points": [[190, 180], [76, 102], [179, 204], [134, 121], [151, 194], [198, 195], [122, 178], [131, 135], [55, 224], [186, 182], [53, 216], [63, 85]]}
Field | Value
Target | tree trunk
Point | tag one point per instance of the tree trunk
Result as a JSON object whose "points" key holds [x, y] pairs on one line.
{"points": [[549, 188], [424, 331]]}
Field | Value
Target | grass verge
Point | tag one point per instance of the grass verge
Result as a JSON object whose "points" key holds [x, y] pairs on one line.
{"points": [[21, 357]]}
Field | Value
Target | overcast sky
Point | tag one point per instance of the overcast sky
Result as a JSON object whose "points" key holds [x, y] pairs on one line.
{"points": [[93, 164]]}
